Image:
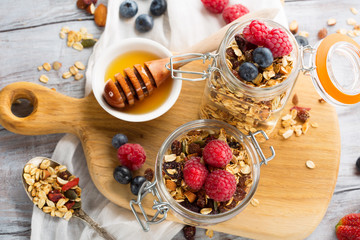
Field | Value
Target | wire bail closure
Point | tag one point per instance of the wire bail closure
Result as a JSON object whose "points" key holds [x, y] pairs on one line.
{"points": [[186, 58], [161, 207], [258, 149], [308, 51]]}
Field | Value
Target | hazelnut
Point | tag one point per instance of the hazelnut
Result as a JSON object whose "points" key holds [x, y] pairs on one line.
{"points": [[294, 27], [91, 9], [81, 4], [322, 33]]}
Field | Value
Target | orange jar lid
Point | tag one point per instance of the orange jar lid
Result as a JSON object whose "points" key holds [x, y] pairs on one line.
{"points": [[338, 68]]}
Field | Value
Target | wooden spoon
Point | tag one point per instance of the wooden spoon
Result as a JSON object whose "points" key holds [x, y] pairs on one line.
{"points": [[77, 212]]}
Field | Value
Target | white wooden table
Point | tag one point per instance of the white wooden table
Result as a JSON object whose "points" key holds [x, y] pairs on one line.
{"points": [[29, 37]]}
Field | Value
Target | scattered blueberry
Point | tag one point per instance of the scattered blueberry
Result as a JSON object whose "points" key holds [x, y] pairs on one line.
{"points": [[128, 9], [248, 71], [119, 140], [302, 41], [158, 7], [136, 184], [144, 23], [122, 174], [358, 164], [263, 57]]}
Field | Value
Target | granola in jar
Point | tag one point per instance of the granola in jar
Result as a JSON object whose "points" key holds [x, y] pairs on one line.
{"points": [[252, 77], [188, 167]]}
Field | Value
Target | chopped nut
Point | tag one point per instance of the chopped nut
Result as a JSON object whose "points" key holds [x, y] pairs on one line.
{"points": [[295, 99], [305, 127], [304, 34], [66, 75], [351, 21], [78, 76], [321, 100], [170, 158], [47, 66], [310, 164], [342, 31], [39, 68], [73, 70], [354, 10], [293, 113], [288, 133], [43, 79], [171, 185], [57, 65], [294, 27], [331, 21], [78, 46], [314, 124], [190, 196], [322, 33], [209, 233], [206, 211], [79, 65], [254, 202]]}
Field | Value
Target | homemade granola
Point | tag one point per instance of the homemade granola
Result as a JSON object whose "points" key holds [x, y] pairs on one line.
{"points": [[191, 146], [54, 190]]}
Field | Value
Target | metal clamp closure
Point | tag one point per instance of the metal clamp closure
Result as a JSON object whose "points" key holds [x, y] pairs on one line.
{"points": [[186, 58], [265, 160], [161, 207], [308, 52]]}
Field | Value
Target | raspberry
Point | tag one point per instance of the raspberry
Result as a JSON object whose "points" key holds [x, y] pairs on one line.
{"points": [[217, 153], [215, 6], [233, 12], [278, 42], [131, 155], [220, 185], [194, 173], [256, 32]]}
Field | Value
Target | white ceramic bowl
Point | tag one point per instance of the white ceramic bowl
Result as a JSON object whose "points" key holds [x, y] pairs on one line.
{"points": [[108, 55]]}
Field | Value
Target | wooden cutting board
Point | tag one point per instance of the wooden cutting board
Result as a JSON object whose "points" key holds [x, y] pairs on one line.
{"points": [[293, 199]]}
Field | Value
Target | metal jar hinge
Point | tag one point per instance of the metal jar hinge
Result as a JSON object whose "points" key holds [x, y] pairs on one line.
{"points": [[264, 160], [186, 58], [161, 207]]}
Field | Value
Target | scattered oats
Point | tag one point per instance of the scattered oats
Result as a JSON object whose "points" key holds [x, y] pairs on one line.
{"points": [[78, 76], [351, 33], [78, 46], [342, 31], [209, 233], [47, 66], [357, 32], [206, 211], [254, 202], [44, 79], [56, 65], [79, 65], [351, 21], [170, 158], [65, 29], [293, 113], [310, 164], [62, 35], [354, 10], [305, 127], [286, 117], [304, 34], [83, 30], [68, 215], [314, 124], [88, 36], [39, 68], [66, 75], [73, 70], [288, 133], [331, 21], [45, 164]]}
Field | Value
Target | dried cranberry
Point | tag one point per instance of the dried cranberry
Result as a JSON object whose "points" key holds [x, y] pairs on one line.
{"points": [[239, 194], [235, 145], [176, 147], [194, 148], [230, 52], [69, 204], [149, 174], [235, 63], [189, 232], [173, 165], [55, 196], [190, 206], [243, 44], [303, 115], [201, 198]]}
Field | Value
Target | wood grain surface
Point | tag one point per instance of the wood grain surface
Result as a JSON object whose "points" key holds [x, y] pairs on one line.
{"points": [[29, 37]]}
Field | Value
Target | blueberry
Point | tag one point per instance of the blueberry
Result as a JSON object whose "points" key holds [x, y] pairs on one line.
{"points": [[144, 23], [136, 184], [248, 71], [302, 41], [158, 7], [119, 140], [263, 57], [128, 9], [122, 174], [358, 164]]}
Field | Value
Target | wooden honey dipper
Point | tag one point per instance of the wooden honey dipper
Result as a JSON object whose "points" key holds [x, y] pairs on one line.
{"points": [[140, 81]]}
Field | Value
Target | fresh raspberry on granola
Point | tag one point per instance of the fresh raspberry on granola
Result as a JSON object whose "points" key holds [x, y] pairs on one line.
{"points": [[256, 32], [215, 6], [278, 42], [220, 185], [233, 12], [217, 153], [131, 155], [195, 173]]}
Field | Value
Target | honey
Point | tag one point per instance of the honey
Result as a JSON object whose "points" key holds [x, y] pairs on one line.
{"points": [[149, 103]]}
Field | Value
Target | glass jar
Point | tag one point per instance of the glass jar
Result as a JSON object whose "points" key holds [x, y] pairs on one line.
{"points": [[166, 202], [247, 106]]}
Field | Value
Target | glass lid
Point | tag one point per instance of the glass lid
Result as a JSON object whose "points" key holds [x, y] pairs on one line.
{"points": [[338, 68]]}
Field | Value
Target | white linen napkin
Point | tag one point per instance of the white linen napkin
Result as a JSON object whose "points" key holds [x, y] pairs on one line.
{"points": [[184, 23]]}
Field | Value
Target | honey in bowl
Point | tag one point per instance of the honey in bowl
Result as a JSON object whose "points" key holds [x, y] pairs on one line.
{"points": [[149, 103]]}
